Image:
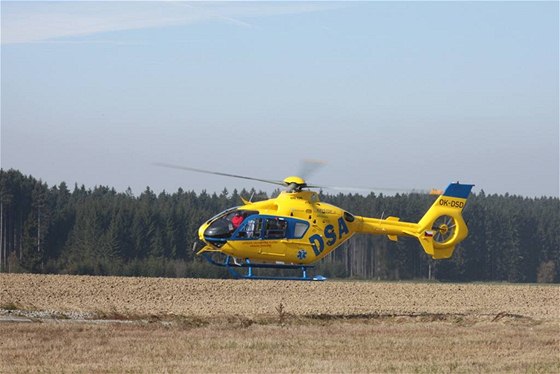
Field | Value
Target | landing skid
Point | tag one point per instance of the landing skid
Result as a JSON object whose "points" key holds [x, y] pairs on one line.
{"points": [[232, 266]]}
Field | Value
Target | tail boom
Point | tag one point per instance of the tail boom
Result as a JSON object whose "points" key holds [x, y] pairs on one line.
{"points": [[440, 229]]}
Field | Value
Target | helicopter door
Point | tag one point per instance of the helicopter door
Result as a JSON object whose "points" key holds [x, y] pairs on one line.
{"points": [[275, 228], [250, 229], [262, 227], [259, 227], [274, 233]]}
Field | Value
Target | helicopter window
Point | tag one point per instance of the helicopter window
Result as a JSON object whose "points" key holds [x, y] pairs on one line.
{"points": [[256, 227], [270, 227], [275, 228], [250, 228], [220, 228], [223, 214], [223, 225], [348, 217], [237, 217], [299, 229]]}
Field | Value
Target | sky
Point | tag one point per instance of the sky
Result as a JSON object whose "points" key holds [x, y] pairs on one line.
{"points": [[386, 94]]}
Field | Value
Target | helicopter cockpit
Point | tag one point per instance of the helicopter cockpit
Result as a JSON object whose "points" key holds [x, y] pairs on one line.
{"points": [[239, 224]]}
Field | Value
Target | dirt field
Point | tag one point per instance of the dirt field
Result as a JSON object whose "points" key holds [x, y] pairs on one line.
{"points": [[253, 299], [116, 324]]}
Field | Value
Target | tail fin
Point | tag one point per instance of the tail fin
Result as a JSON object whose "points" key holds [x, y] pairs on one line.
{"points": [[443, 227]]}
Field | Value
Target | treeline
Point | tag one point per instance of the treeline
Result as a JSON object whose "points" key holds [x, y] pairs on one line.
{"points": [[104, 232]]}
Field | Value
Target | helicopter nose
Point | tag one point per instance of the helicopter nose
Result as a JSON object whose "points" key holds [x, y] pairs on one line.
{"points": [[214, 236], [218, 229], [201, 230]]}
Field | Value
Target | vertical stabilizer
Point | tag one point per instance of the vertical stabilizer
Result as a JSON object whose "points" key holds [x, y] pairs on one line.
{"points": [[443, 226]]}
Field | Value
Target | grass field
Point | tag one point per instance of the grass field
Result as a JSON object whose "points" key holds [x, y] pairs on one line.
{"points": [[115, 325]]}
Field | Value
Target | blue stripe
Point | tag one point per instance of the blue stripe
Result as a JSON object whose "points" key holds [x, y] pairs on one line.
{"points": [[461, 191]]}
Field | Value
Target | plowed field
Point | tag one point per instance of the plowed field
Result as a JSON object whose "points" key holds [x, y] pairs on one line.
{"points": [[253, 299], [118, 324]]}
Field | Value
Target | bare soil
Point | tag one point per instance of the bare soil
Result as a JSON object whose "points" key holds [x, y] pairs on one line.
{"points": [[205, 298]]}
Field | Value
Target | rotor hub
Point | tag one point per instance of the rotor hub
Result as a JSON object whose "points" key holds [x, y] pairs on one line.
{"points": [[295, 180], [295, 183], [443, 229]]}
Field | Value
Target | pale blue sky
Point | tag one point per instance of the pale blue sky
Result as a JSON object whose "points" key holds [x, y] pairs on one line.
{"points": [[402, 94]]}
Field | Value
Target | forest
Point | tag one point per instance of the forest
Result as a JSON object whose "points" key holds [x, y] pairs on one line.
{"points": [[99, 231]]}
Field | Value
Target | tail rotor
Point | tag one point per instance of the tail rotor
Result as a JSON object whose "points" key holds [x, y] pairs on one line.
{"points": [[444, 228]]}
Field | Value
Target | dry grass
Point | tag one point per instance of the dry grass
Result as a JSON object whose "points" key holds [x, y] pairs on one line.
{"points": [[201, 326], [335, 346]]}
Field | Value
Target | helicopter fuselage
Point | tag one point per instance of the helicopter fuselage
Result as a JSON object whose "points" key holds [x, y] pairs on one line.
{"points": [[294, 228], [297, 228]]}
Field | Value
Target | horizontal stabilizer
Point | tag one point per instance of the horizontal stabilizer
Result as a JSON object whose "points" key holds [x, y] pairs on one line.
{"points": [[458, 190], [393, 219]]}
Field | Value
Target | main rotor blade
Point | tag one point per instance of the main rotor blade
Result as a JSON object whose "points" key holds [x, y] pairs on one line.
{"points": [[280, 183], [309, 167], [378, 189]]}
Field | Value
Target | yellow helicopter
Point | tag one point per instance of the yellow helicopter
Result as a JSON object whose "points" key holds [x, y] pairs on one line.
{"points": [[296, 229]]}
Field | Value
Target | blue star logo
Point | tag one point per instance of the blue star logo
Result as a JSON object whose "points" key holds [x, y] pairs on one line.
{"points": [[302, 254]]}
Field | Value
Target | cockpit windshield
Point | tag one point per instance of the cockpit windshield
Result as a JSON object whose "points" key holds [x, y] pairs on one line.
{"points": [[221, 214], [240, 224], [222, 225]]}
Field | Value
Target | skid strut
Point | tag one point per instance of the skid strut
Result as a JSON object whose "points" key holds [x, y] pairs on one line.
{"points": [[233, 268]]}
